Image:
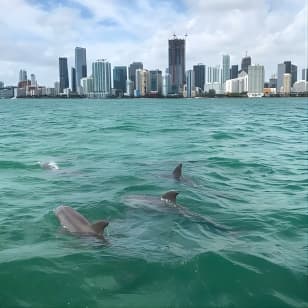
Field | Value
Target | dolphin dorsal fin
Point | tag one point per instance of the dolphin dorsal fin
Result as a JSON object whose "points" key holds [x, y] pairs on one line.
{"points": [[177, 172], [170, 196], [99, 226]]}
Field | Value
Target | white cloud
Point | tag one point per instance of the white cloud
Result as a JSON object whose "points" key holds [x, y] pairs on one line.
{"points": [[34, 37]]}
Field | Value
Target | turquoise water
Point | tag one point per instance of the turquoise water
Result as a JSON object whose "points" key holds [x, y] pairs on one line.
{"points": [[244, 165]]}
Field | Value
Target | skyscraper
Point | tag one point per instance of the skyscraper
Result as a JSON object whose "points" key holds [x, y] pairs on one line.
{"points": [[156, 81], [22, 75], [73, 80], [294, 74], [234, 71], [199, 71], [225, 68], [142, 82], [177, 64], [281, 70], [305, 74], [101, 71], [287, 79], [246, 61], [80, 65], [132, 71], [255, 80], [33, 80], [63, 74], [190, 83], [119, 78]]}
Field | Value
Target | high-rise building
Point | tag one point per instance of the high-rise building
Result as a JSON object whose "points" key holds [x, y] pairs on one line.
{"points": [[287, 79], [255, 80], [63, 74], [213, 74], [234, 71], [305, 74], [80, 65], [166, 83], [280, 72], [246, 61], [132, 71], [225, 68], [288, 67], [33, 80], [199, 71], [273, 82], [129, 88], [22, 75], [73, 80], [142, 82], [176, 53], [156, 81], [101, 72], [120, 78], [294, 74], [87, 85], [1, 84], [190, 84]]}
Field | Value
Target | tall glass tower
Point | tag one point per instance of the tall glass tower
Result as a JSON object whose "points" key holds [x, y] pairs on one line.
{"points": [[199, 71], [80, 65], [101, 71], [225, 68], [177, 64], [63, 74]]}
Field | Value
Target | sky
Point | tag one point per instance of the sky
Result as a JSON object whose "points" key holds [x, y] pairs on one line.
{"points": [[35, 33]]}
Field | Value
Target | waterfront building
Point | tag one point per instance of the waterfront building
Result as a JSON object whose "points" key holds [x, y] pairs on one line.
{"points": [[87, 85], [225, 68], [120, 78], [101, 72], [33, 80], [234, 71], [176, 60], [300, 86], [57, 88], [237, 85], [190, 84], [166, 83], [80, 66], [1, 84], [73, 80], [142, 82], [246, 61], [281, 70], [273, 82], [63, 74], [213, 74], [132, 71], [51, 92], [129, 88], [199, 72], [255, 80], [156, 82], [22, 75], [294, 74], [287, 80], [305, 74]]}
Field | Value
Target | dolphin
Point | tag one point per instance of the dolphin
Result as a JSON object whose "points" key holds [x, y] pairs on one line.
{"points": [[51, 165], [168, 202], [75, 223], [177, 172]]}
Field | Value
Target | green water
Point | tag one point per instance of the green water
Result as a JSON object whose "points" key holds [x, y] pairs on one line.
{"points": [[245, 167]]}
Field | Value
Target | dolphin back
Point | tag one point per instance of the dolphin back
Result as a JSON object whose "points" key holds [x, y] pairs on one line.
{"points": [[177, 172], [99, 226]]}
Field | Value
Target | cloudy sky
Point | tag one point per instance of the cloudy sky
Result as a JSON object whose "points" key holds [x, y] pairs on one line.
{"points": [[34, 33]]}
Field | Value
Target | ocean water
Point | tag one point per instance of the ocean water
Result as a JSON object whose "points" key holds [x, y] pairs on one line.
{"points": [[244, 167]]}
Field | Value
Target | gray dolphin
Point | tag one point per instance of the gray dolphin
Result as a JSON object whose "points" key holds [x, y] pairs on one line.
{"points": [[177, 172], [49, 165], [75, 223], [167, 202]]}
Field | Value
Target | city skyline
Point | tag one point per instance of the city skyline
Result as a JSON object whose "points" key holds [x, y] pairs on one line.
{"points": [[275, 33]]}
